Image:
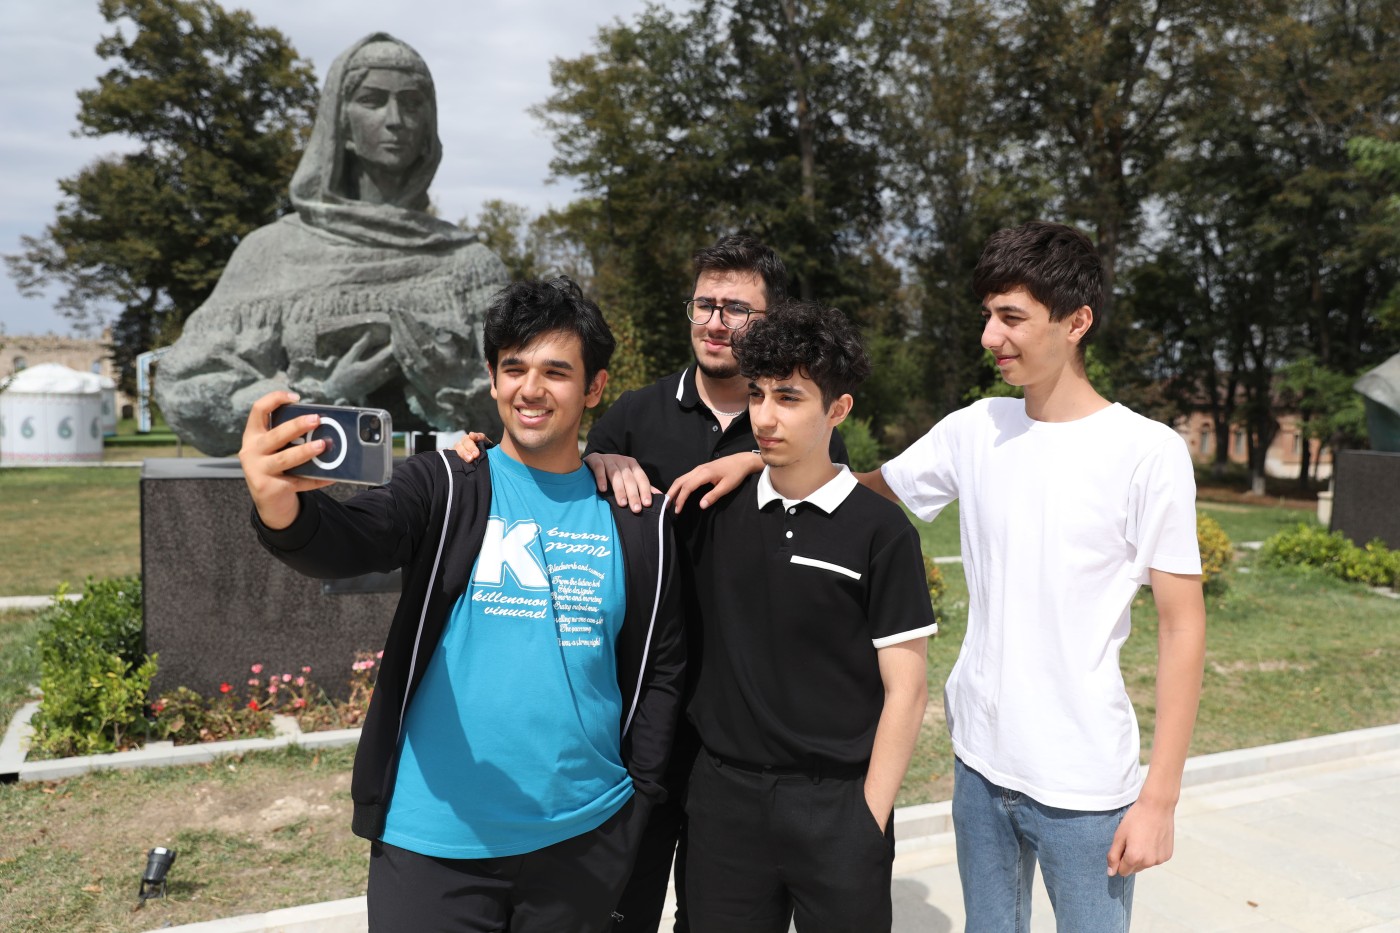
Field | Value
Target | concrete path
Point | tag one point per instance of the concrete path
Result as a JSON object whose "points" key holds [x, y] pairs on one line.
{"points": [[1313, 849], [1301, 837]]}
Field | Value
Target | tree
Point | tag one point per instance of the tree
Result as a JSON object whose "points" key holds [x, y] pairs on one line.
{"points": [[220, 107], [1279, 248], [759, 115]]}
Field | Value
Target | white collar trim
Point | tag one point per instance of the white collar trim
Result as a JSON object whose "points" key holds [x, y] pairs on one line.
{"points": [[827, 497]]}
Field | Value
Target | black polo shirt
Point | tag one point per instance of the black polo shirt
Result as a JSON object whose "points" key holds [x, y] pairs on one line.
{"points": [[670, 432], [796, 599]]}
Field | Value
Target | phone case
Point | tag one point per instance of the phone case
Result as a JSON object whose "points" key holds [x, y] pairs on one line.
{"points": [[361, 443]]}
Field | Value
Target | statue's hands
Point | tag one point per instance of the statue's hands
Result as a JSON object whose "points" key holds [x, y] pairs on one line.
{"points": [[456, 405], [355, 375], [266, 456], [471, 445]]}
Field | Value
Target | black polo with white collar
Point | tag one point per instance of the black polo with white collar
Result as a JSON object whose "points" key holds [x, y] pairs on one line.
{"points": [[796, 598], [670, 431]]}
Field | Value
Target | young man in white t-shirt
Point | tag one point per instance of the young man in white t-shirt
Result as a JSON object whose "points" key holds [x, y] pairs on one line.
{"points": [[1069, 503]]}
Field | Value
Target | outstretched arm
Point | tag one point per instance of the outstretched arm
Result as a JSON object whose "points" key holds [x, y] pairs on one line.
{"points": [[906, 694], [1146, 835], [725, 474], [875, 482], [266, 456]]}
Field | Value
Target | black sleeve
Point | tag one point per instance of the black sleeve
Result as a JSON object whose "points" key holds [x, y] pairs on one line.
{"points": [[647, 745], [375, 531]]}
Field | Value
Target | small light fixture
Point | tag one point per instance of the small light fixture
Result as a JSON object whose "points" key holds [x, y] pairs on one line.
{"points": [[158, 862]]}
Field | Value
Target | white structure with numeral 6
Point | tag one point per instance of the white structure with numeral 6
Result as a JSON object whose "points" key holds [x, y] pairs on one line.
{"points": [[51, 414]]}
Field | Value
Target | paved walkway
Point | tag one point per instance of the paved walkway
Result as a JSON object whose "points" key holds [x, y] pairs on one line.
{"points": [[1301, 837], [1313, 849]]}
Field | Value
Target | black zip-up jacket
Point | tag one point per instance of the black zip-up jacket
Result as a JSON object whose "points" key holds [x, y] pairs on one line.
{"points": [[430, 520]]}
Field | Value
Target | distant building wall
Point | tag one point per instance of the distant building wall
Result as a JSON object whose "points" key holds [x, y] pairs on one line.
{"points": [[1284, 456], [20, 351]]}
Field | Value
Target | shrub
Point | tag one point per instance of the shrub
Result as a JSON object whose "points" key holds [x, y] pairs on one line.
{"points": [[1216, 550], [1333, 553], [92, 671], [937, 586], [861, 447]]}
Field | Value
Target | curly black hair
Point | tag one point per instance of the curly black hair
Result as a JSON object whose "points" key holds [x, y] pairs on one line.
{"points": [[524, 311], [807, 338]]}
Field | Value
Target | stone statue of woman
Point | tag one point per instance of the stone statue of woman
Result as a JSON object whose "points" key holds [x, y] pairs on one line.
{"points": [[359, 297]]}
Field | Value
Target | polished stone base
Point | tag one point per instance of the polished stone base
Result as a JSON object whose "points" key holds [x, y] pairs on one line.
{"points": [[216, 603], [1366, 496]]}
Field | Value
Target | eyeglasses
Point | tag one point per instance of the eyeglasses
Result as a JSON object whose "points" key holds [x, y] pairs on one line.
{"points": [[732, 315]]}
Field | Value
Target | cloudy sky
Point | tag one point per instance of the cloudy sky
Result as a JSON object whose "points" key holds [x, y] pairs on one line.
{"points": [[490, 59]]}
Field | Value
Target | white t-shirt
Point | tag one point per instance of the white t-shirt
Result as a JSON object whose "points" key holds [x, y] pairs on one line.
{"points": [[1060, 524]]}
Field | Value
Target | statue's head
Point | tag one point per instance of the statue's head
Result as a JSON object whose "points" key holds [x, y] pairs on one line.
{"points": [[388, 110], [378, 107]]}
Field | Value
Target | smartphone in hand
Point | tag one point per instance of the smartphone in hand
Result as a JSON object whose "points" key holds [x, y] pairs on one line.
{"points": [[360, 443]]}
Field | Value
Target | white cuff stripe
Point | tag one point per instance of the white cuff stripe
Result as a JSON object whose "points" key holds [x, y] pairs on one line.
{"points": [[905, 636], [836, 568]]}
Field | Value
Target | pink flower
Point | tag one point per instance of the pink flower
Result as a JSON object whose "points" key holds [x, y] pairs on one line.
{"points": [[306, 670], [272, 689], [298, 703], [301, 681], [380, 655], [253, 681], [286, 678], [256, 668]]}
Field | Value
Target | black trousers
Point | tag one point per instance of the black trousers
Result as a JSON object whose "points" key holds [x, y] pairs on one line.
{"points": [[766, 849], [643, 900], [569, 887]]}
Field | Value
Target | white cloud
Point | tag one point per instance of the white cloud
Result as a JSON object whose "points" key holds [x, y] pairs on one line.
{"points": [[490, 60]]}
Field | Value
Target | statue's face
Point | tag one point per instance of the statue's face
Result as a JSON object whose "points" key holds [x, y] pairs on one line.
{"points": [[388, 118]]}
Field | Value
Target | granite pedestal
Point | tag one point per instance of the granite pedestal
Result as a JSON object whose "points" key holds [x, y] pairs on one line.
{"points": [[1366, 496], [217, 603]]}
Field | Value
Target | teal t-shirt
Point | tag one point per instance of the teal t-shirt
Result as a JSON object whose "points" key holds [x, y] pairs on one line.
{"points": [[512, 742]]}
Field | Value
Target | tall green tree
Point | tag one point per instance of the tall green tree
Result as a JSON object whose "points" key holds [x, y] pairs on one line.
{"points": [[1277, 245], [219, 107], [760, 115], [955, 179]]}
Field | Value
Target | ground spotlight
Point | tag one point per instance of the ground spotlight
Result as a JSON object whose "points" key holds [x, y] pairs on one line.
{"points": [[158, 862]]}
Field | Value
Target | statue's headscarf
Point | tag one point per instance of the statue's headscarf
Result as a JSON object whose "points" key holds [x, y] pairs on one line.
{"points": [[1382, 384], [320, 181]]}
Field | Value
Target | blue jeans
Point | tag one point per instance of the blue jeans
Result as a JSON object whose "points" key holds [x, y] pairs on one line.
{"points": [[1001, 834]]}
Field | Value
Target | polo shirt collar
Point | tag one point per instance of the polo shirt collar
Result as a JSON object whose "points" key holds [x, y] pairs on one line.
{"points": [[826, 497], [687, 394]]}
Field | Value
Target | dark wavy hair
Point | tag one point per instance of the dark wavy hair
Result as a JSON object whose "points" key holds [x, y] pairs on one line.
{"points": [[804, 337], [741, 252], [524, 311], [1057, 264]]}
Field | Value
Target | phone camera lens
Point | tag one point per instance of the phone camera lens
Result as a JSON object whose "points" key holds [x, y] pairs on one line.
{"points": [[371, 429]]}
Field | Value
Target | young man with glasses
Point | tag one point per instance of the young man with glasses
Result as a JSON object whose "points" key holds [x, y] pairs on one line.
{"points": [[685, 431]]}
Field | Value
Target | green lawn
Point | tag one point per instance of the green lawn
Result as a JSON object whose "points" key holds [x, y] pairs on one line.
{"points": [[66, 524]]}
